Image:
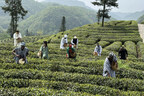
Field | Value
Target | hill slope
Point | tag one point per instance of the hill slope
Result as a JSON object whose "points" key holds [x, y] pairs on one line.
{"points": [[65, 77], [32, 6], [126, 16], [141, 19], [48, 20], [68, 2]]}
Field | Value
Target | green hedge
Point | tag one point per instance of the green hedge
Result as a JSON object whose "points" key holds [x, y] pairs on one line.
{"points": [[58, 85], [130, 73], [131, 48], [56, 67], [39, 92], [103, 43], [122, 84], [141, 50], [114, 46], [137, 65]]}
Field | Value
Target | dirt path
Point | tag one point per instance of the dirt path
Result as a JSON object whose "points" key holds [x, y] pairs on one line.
{"points": [[141, 30]]}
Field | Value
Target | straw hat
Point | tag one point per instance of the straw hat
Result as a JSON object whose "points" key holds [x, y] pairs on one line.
{"points": [[21, 61]]}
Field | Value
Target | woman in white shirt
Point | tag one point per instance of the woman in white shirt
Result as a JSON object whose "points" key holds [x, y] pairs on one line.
{"points": [[63, 43], [98, 49]]}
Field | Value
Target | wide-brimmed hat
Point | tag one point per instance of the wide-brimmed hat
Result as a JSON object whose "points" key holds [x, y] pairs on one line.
{"points": [[75, 37], [21, 61], [65, 36]]}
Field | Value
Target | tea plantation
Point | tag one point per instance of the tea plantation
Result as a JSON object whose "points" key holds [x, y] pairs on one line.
{"points": [[59, 76]]}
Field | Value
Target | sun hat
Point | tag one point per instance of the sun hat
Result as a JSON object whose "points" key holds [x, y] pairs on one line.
{"points": [[65, 36], [75, 37]]}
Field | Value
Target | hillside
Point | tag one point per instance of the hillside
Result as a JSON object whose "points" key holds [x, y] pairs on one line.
{"points": [[134, 16], [49, 20], [41, 17], [141, 19], [126, 16], [62, 77], [68, 2], [32, 6]]}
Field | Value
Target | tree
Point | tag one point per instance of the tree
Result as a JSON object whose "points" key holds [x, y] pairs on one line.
{"points": [[16, 11], [106, 4], [27, 32], [99, 16], [63, 28]]}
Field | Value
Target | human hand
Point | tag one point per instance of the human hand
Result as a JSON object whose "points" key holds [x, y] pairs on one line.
{"points": [[17, 55]]}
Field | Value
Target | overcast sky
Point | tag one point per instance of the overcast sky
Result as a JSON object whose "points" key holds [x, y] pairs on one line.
{"points": [[124, 5]]}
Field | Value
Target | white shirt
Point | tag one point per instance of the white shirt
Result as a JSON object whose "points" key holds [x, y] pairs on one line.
{"points": [[98, 50], [107, 68], [16, 36], [63, 41]]}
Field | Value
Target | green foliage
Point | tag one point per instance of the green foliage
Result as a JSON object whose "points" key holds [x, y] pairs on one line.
{"points": [[103, 43], [137, 65], [63, 27], [99, 15], [76, 16], [142, 22], [131, 48], [40, 92], [64, 77], [16, 11], [69, 2], [4, 36], [114, 46], [141, 50], [106, 4]]}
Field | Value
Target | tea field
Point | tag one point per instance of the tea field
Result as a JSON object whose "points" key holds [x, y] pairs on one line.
{"points": [[59, 76]]}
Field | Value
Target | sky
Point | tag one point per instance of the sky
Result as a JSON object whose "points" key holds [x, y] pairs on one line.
{"points": [[124, 5]]}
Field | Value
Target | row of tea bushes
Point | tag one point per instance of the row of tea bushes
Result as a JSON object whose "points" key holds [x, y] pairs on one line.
{"points": [[68, 86], [137, 65], [31, 91], [141, 50], [131, 48], [122, 84], [114, 46]]}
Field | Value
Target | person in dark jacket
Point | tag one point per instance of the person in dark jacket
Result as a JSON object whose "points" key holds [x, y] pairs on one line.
{"points": [[74, 42], [123, 54]]}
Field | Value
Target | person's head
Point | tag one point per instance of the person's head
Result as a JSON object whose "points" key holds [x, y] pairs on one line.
{"points": [[17, 31], [22, 45], [75, 37], [97, 44], [65, 36], [123, 46], [112, 57], [70, 45], [45, 43]]}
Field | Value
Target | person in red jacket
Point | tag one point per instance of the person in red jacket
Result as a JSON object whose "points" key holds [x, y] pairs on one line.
{"points": [[71, 52]]}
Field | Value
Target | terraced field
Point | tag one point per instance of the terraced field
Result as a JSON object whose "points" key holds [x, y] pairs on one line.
{"points": [[59, 76]]}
